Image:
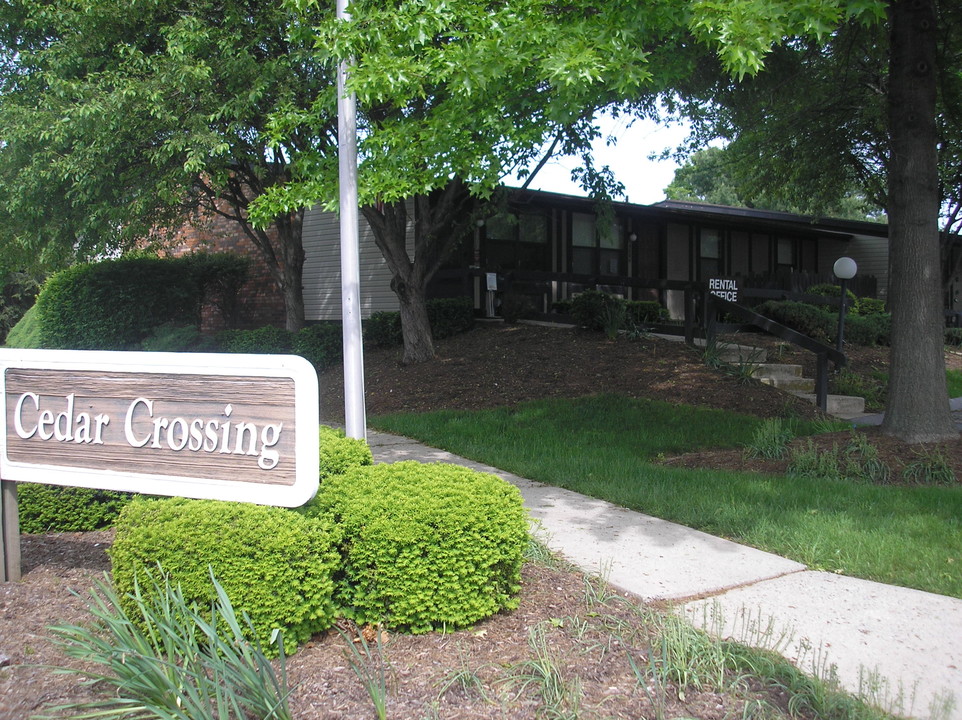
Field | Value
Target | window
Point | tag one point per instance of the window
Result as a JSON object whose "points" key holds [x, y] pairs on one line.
{"points": [[582, 243], [596, 251], [516, 242], [709, 254], [784, 254]]}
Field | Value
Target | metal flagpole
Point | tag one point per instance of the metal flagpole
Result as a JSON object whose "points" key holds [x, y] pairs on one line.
{"points": [[354, 409]]}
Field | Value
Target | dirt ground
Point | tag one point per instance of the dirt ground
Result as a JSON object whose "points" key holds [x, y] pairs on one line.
{"points": [[497, 365], [480, 672]]}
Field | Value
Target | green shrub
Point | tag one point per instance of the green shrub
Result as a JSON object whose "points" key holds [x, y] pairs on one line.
{"points": [[53, 508], [446, 316], [338, 453], [26, 333], [220, 277], [268, 340], [862, 461], [171, 337], [810, 462], [450, 316], [953, 337], [115, 304], [931, 466], [807, 319], [592, 308], [517, 306], [275, 565], [873, 387], [321, 344], [869, 306], [562, 307], [613, 319], [19, 294], [829, 290], [425, 547], [868, 330], [644, 312], [383, 329]]}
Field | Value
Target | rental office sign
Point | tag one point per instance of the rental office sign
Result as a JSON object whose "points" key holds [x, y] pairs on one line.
{"points": [[223, 427]]}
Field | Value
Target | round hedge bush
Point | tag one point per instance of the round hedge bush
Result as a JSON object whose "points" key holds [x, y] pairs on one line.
{"points": [[339, 453], [276, 565], [425, 546]]}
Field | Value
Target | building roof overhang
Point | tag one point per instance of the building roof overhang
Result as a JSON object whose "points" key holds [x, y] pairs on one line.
{"points": [[743, 218]]}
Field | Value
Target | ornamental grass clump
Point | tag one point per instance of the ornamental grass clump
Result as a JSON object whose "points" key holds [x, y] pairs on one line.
{"points": [[425, 546], [276, 566], [163, 656]]}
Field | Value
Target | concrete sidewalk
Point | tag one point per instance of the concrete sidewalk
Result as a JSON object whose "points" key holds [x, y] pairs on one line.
{"points": [[900, 646]]}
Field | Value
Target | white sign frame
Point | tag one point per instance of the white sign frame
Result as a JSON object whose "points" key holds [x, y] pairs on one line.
{"points": [[145, 364]]}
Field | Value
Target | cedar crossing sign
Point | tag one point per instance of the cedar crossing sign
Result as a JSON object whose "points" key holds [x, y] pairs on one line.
{"points": [[224, 427]]}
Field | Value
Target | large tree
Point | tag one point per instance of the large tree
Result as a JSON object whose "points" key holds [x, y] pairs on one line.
{"points": [[874, 108], [123, 120], [917, 410]]}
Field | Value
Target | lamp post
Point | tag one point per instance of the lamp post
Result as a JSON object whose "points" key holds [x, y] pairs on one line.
{"points": [[845, 269]]}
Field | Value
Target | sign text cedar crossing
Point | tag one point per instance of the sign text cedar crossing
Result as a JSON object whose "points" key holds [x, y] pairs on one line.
{"points": [[229, 427]]}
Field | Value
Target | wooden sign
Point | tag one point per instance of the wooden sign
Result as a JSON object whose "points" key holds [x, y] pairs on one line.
{"points": [[215, 426]]}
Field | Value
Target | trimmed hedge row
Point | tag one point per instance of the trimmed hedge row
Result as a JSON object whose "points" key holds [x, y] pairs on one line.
{"points": [[447, 317], [116, 304], [52, 508], [416, 547], [321, 344]]}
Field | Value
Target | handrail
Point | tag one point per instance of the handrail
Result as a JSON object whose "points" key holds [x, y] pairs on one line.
{"points": [[823, 352]]}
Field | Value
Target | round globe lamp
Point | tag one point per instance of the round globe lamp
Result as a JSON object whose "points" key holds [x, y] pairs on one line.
{"points": [[844, 269]]}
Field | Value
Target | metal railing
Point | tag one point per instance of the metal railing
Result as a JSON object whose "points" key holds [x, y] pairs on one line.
{"points": [[823, 353]]}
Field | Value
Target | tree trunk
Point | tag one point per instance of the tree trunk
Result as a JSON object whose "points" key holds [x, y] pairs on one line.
{"points": [[918, 408], [415, 327], [290, 238], [443, 220]]}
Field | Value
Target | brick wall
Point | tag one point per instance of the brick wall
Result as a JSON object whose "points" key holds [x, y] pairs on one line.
{"points": [[260, 302]]}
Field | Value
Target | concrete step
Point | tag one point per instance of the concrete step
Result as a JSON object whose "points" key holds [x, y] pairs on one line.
{"points": [[841, 406], [777, 370], [790, 383]]}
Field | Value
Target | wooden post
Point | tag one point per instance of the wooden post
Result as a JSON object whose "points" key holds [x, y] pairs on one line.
{"points": [[9, 533], [821, 381]]}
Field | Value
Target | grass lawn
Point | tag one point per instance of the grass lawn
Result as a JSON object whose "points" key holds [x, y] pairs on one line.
{"points": [[604, 447]]}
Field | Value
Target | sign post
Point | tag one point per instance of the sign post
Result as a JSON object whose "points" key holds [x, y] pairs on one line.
{"points": [[9, 533], [221, 427]]}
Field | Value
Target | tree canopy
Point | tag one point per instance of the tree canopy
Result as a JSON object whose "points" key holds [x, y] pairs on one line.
{"points": [[722, 176], [474, 90], [811, 132], [120, 120]]}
